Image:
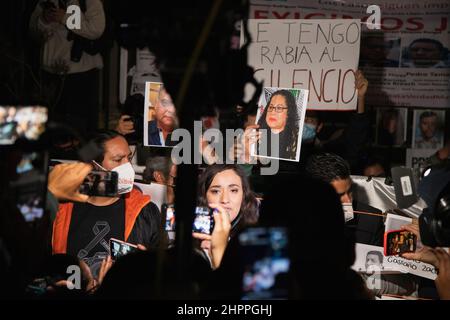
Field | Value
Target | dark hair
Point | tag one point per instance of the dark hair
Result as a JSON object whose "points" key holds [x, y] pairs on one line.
{"points": [[248, 213], [158, 163], [390, 114], [376, 160], [327, 167], [437, 43], [314, 114], [100, 138], [376, 253], [427, 114], [291, 129]]}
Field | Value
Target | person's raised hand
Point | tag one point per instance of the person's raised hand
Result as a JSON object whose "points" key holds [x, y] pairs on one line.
{"points": [[107, 263], [65, 179], [443, 279], [125, 125], [361, 83], [250, 137]]}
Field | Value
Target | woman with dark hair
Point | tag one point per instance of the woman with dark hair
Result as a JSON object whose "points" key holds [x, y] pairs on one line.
{"points": [[225, 188], [228, 185], [281, 117]]}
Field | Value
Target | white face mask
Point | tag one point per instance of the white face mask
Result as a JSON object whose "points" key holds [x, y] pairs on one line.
{"points": [[348, 211], [126, 174]]}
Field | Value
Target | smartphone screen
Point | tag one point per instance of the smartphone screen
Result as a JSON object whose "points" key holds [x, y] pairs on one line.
{"points": [[21, 122], [266, 263], [203, 221], [399, 241], [29, 186], [120, 248], [100, 183], [169, 214]]}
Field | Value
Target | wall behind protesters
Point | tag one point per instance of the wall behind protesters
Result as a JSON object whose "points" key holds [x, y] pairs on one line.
{"points": [[321, 252]]}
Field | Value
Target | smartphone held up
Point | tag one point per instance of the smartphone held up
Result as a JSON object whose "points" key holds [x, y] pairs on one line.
{"points": [[399, 241], [100, 184], [203, 221]]}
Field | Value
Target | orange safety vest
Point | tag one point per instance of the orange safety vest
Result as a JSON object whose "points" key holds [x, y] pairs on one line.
{"points": [[134, 202]]}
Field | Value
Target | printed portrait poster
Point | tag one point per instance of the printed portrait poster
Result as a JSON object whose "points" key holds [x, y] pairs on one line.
{"points": [[280, 116], [160, 117], [391, 126], [381, 278], [371, 259], [428, 129], [318, 55]]}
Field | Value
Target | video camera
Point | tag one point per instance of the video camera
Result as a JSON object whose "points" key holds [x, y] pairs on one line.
{"points": [[434, 222]]}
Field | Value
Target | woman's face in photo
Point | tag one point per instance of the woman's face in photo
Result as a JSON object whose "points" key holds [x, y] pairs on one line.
{"points": [[390, 124], [277, 113], [226, 190]]}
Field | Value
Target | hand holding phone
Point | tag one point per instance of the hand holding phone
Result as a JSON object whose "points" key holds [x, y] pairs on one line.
{"points": [[399, 241]]}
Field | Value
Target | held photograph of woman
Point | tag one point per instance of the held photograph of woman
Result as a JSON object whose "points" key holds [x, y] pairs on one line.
{"points": [[280, 117]]}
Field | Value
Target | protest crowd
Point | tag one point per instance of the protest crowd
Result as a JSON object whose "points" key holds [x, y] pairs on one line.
{"points": [[209, 153]]}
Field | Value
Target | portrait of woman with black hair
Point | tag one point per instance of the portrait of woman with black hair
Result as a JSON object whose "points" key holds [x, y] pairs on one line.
{"points": [[280, 119]]}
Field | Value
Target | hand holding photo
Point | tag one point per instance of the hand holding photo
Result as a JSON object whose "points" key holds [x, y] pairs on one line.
{"points": [[280, 117]]}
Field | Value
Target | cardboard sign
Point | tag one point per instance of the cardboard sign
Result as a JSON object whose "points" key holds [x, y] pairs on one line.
{"points": [[318, 55]]}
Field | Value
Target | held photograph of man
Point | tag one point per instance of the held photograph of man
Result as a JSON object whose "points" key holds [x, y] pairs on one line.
{"points": [[280, 117], [160, 116]]}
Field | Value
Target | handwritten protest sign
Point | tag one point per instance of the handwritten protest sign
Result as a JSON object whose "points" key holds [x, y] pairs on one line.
{"points": [[318, 55]]}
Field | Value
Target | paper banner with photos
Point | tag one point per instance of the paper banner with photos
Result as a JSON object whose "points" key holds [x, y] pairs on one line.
{"points": [[280, 116]]}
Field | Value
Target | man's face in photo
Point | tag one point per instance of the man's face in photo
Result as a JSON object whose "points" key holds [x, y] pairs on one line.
{"points": [[428, 126], [425, 54], [165, 110], [373, 260]]}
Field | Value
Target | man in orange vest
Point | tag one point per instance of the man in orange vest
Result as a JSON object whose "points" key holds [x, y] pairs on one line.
{"points": [[84, 229]]}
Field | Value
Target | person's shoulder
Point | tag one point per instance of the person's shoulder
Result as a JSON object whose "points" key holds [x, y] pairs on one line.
{"points": [[150, 209], [152, 125]]}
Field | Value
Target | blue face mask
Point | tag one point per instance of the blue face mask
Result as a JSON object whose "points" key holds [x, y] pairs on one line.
{"points": [[309, 132]]}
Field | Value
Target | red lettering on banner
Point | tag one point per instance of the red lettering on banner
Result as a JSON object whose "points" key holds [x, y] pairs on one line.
{"points": [[280, 16], [385, 25], [313, 15], [416, 22], [443, 26], [261, 14]]}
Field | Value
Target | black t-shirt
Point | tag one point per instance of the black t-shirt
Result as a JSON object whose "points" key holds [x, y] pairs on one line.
{"points": [[91, 227]]}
